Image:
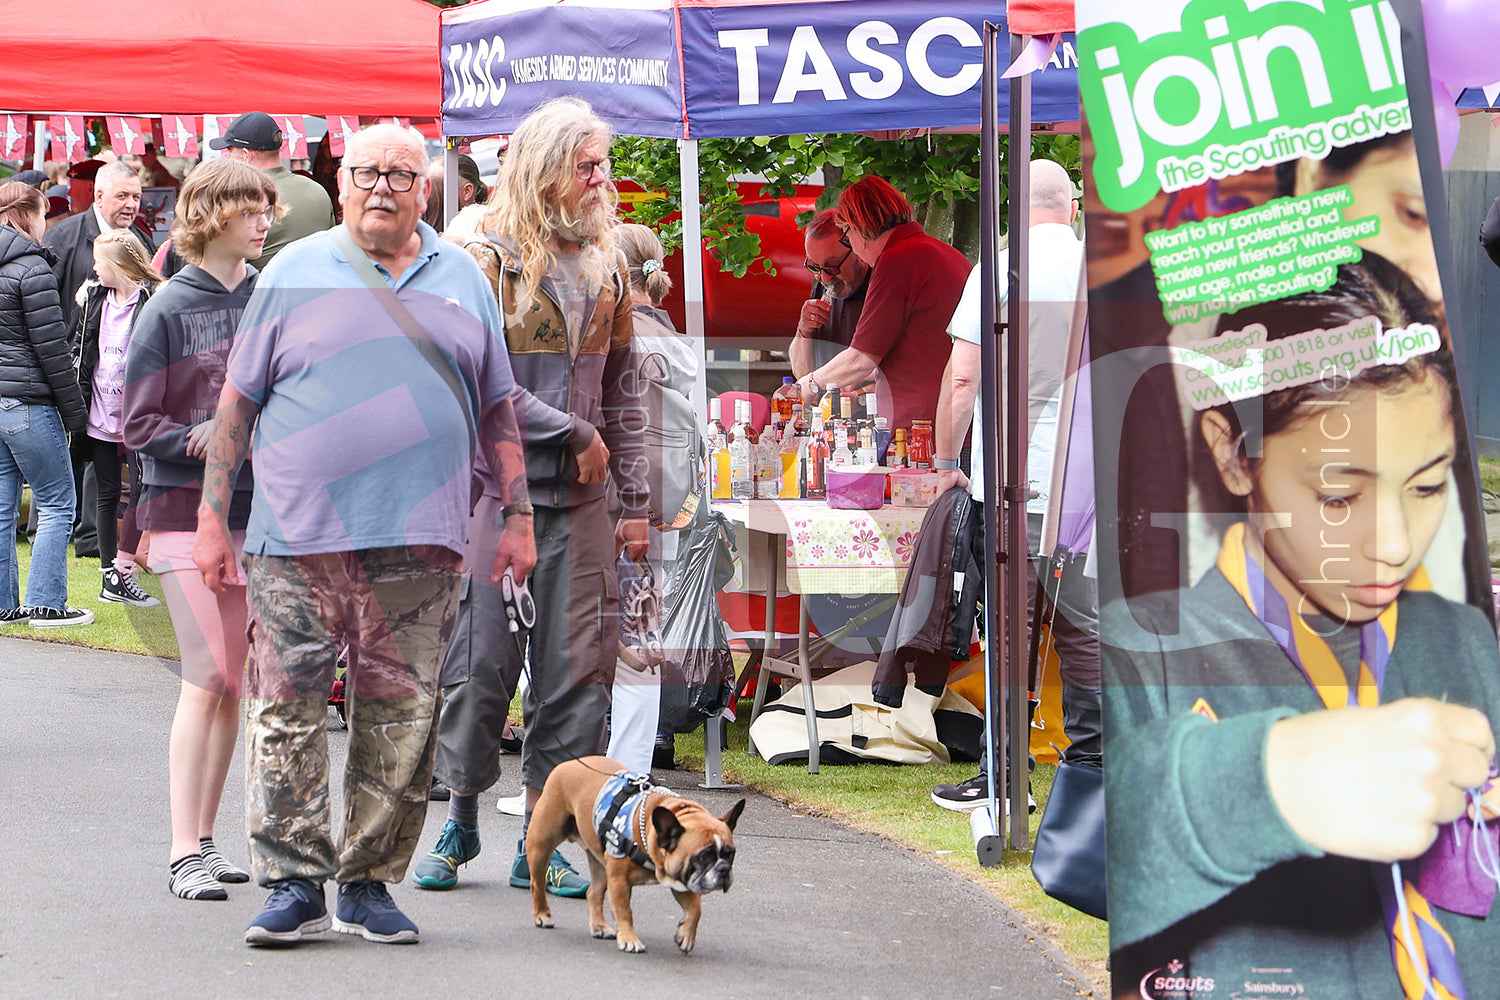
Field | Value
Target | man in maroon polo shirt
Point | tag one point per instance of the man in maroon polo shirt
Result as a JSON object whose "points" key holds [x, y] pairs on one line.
{"points": [[915, 284]]}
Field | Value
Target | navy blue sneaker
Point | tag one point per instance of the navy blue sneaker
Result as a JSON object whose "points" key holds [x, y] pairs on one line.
{"points": [[366, 908], [294, 910]]}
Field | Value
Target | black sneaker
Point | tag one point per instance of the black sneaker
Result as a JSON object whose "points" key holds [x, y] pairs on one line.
{"points": [[664, 752], [513, 742], [14, 616], [440, 792], [970, 795], [124, 590], [366, 908], [53, 618], [295, 909]]}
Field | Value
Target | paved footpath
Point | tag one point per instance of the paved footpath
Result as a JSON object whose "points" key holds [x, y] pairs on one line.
{"points": [[817, 910]]}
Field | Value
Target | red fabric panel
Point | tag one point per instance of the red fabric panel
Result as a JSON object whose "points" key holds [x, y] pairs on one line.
{"points": [[186, 57], [747, 613]]}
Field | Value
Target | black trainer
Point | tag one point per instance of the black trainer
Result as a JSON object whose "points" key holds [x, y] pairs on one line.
{"points": [[123, 589], [54, 618], [14, 616], [366, 908], [972, 794]]}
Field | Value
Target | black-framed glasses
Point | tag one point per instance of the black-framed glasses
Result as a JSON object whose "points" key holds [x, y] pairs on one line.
{"points": [[820, 269], [365, 178], [587, 167]]}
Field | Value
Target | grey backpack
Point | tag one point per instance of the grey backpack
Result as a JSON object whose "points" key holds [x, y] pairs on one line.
{"points": [[674, 447]]}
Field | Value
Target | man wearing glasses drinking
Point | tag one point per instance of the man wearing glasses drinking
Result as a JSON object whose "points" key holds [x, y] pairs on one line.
{"points": [[826, 325], [901, 341]]}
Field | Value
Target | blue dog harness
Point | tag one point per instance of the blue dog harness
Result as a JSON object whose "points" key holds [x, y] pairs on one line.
{"points": [[620, 802]]}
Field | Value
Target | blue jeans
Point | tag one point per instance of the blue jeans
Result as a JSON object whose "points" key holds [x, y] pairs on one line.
{"points": [[33, 444]]}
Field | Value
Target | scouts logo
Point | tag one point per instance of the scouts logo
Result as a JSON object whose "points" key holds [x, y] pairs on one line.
{"points": [[1169, 983]]}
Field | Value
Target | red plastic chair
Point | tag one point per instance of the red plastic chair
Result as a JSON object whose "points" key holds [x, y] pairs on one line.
{"points": [[760, 408]]}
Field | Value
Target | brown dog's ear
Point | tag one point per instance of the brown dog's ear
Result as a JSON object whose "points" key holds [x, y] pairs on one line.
{"points": [[733, 815], [668, 830]]}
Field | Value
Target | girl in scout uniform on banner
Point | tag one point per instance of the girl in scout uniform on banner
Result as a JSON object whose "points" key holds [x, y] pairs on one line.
{"points": [[1301, 744]]}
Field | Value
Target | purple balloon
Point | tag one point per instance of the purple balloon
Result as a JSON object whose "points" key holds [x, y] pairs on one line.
{"points": [[1461, 41], [1447, 120]]}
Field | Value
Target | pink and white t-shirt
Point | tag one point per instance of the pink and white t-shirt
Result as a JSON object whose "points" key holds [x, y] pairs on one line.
{"points": [[107, 405]]}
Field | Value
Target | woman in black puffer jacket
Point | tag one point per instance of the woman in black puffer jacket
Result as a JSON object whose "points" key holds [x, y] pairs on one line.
{"points": [[39, 402]]}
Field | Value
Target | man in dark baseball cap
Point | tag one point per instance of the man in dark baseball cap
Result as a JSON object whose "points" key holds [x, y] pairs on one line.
{"points": [[255, 138], [251, 130]]}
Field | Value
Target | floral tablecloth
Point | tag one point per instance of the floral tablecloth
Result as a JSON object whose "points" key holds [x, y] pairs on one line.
{"points": [[833, 551]]}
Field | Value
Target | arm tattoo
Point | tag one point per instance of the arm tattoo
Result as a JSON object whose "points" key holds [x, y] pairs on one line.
{"points": [[227, 447], [502, 443]]}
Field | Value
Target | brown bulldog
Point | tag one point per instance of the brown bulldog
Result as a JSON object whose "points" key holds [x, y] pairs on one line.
{"points": [[635, 834]]}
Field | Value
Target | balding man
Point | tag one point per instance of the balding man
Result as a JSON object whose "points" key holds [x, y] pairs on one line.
{"points": [[369, 363], [117, 202], [255, 138], [1055, 258]]}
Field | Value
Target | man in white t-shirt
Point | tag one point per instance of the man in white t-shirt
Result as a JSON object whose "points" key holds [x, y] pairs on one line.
{"points": [[1056, 260]]}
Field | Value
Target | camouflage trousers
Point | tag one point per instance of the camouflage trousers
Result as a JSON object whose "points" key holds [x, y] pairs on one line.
{"points": [[394, 609]]}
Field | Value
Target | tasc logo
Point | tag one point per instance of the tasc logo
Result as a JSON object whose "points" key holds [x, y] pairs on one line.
{"points": [[471, 67]]}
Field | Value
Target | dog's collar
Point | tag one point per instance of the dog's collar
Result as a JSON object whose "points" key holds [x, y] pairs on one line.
{"points": [[622, 796]]}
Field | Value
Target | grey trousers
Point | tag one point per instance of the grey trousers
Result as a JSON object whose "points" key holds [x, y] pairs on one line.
{"points": [[571, 650]]}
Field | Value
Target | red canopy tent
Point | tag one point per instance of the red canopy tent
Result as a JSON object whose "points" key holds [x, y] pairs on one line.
{"points": [[145, 57], [1040, 17]]}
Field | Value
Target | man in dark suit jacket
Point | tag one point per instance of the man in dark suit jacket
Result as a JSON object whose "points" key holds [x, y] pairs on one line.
{"points": [[117, 201]]}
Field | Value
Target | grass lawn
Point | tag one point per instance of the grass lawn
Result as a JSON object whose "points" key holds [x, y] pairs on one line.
{"points": [[893, 801], [1489, 474], [115, 626]]}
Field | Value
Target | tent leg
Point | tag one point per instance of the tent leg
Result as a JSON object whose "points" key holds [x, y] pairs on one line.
{"points": [[450, 182], [692, 263]]}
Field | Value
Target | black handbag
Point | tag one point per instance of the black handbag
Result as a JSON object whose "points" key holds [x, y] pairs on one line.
{"points": [[1068, 861]]}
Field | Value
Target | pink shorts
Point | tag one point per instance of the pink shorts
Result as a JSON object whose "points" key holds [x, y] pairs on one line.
{"points": [[211, 628], [172, 551]]}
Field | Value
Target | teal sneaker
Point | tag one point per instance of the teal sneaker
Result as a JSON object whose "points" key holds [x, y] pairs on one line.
{"points": [[457, 845], [562, 878]]}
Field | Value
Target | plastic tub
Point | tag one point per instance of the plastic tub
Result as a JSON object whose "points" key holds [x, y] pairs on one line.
{"points": [[856, 487], [913, 487]]}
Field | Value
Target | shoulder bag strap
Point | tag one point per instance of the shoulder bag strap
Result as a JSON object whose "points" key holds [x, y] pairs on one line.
{"points": [[408, 324]]}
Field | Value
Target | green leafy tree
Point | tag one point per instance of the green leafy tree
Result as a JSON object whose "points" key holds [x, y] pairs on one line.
{"points": [[939, 174]]}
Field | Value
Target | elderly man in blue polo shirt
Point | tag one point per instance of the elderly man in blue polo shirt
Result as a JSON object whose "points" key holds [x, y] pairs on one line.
{"points": [[370, 364]]}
